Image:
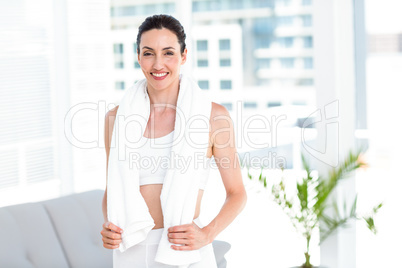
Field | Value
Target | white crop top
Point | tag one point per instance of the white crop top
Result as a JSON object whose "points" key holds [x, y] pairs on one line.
{"points": [[154, 161]]}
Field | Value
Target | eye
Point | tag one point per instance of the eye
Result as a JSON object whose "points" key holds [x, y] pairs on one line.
{"points": [[169, 53], [147, 54]]}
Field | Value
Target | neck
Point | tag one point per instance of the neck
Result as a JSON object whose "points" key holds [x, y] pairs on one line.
{"points": [[162, 99]]}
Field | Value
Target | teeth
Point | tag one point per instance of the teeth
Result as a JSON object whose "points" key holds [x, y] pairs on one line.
{"points": [[159, 75]]}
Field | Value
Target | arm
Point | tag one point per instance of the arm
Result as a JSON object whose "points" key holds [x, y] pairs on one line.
{"points": [[224, 151], [109, 123], [226, 157], [111, 234]]}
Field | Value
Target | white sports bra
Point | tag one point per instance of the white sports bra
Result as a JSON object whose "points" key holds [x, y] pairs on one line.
{"points": [[155, 159]]}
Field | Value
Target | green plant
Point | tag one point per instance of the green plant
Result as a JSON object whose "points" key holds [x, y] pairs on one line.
{"points": [[306, 209]]}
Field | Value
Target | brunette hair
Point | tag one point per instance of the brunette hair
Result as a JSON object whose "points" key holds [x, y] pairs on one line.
{"points": [[159, 22]]}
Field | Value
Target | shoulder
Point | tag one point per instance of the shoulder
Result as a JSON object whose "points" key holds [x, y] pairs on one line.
{"points": [[112, 112], [221, 125], [111, 116], [109, 124], [219, 114]]}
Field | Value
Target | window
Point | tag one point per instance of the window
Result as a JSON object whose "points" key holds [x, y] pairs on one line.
{"points": [[224, 44], [287, 63], [135, 48], [224, 62], [249, 105], [235, 4], [283, 2], [202, 45], [119, 85], [124, 11], [227, 105], [285, 41], [226, 84], [264, 82], [202, 63], [263, 63], [118, 56], [284, 21], [308, 41], [262, 3], [307, 20], [299, 103], [118, 48], [119, 65], [306, 82], [149, 9], [264, 25], [306, 2], [273, 104], [308, 63], [203, 84], [262, 41]]}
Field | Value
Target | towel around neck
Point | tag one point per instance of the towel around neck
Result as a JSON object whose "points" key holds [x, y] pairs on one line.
{"points": [[125, 205]]}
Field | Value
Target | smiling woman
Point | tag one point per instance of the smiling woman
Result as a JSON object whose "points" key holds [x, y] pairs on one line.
{"points": [[161, 52]]}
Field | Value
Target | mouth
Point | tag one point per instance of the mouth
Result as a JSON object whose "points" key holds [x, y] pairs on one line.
{"points": [[159, 75]]}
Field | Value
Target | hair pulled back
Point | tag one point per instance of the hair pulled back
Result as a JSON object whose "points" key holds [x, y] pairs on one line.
{"points": [[159, 22]]}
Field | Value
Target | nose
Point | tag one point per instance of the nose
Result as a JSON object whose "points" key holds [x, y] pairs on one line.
{"points": [[158, 63]]}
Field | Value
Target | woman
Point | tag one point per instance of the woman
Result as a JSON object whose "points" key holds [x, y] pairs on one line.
{"points": [[161, 52]]}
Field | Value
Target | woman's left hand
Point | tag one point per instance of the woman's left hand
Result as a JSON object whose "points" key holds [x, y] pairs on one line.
{"points": [[190, 236]]}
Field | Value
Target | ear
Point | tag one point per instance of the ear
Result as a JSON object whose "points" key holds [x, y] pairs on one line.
{"points": [[138, 58], [184, 56]]}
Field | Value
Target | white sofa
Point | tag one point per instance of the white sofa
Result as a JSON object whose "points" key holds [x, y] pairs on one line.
{"points": [[61, 232]]}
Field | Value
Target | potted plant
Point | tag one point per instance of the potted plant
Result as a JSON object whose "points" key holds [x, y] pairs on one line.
{"points": [[307, 207]]}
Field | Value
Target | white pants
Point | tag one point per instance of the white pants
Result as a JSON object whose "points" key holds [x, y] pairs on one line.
{"points": [[143, 254]]}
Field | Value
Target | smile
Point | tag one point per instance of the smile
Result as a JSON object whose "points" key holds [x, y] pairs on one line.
{"points": [[159, 74]]}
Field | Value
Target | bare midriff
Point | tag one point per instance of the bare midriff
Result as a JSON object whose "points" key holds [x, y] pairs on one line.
{"points": [[151, 194]]}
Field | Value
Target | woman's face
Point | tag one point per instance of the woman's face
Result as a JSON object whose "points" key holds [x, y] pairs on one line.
{"points": [[160, 58]]}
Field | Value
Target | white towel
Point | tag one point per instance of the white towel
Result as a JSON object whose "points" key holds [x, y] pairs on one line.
{"points": [[125, 205]]}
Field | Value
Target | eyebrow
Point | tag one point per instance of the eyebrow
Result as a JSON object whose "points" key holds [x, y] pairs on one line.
{"points": [[145, 47]]}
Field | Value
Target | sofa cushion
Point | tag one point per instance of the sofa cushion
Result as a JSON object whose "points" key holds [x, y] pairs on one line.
{"points": [[28, 238], [220, 249], [78, 221]]}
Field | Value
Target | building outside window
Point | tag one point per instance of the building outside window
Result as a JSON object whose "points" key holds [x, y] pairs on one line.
{"points": [[227, 105], [203, 84], [283, 2], [287, 63], [273, 104], [119, 85], [284, 21], [307, 20], [224, 62], [226, 84], [250, 105], [263, 63], [262, 41], [308, 63], [202, 45], [224, 44], [285, 42], [202, 63], [308, 41], [306, 82], [135, 48], [118, 56], [264, 25]]}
